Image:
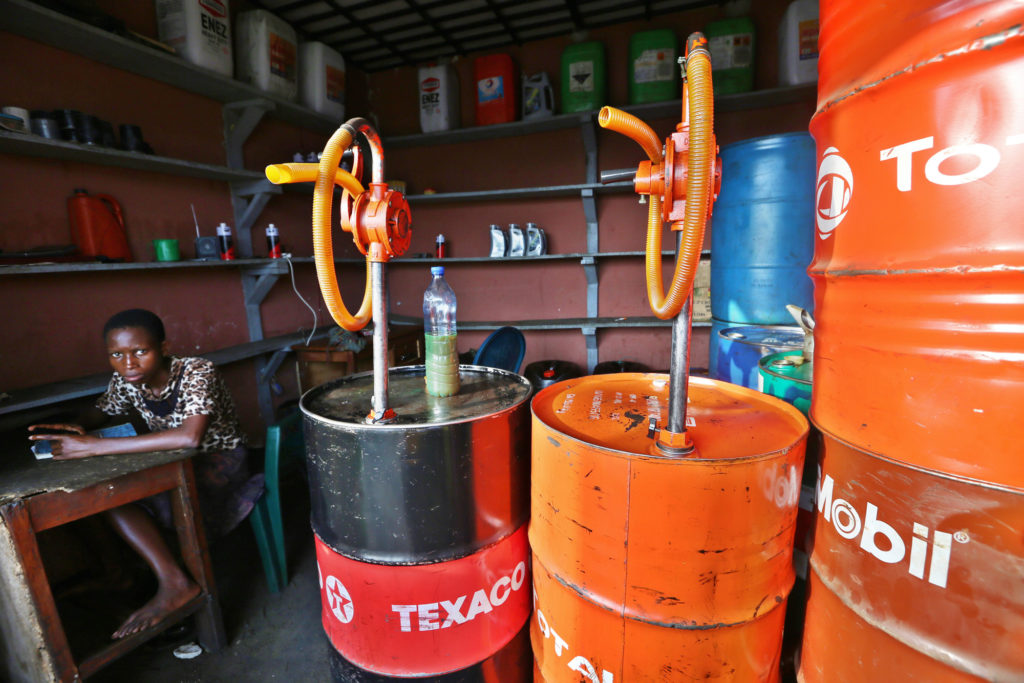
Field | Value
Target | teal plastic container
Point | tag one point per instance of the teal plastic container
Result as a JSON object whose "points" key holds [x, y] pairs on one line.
{"points": [[788, 376], [584, 78], [653, 71], [732, 45]]}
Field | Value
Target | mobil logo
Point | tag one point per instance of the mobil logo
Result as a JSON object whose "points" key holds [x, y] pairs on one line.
{"points": [[430, 84], [833, 192], [215, 7], [881, 539]]}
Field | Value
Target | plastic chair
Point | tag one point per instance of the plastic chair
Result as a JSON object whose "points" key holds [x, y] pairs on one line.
{"points": [[504, 348], [285, 447]]}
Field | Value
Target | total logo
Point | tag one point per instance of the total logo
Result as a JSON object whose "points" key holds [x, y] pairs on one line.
{"points": [[577, 663], [833, 192], [851, 524], [949, 166]]}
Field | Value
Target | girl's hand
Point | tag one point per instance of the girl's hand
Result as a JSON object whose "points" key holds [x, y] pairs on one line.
{"points": [[59, 427], [67, 447]]}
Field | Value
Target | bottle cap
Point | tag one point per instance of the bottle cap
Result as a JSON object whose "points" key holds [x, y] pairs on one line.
{"points": [[437, 270], [440, 239]]}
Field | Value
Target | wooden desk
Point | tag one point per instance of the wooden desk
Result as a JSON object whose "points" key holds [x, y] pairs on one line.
{"points": [[40, 495]]}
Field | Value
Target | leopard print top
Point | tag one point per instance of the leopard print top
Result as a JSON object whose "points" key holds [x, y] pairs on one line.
{"points": [[198, 389]]}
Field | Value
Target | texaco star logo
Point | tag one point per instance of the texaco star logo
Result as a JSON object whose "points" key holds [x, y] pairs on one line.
{"points": [[339, 600]]}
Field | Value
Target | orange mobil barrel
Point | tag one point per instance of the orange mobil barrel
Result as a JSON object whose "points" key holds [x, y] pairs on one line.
{"points": [[652, 568], [918, 559]]}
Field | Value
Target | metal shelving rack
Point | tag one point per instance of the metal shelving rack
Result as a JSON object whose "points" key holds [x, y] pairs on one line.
{"points": [[244, 106]]}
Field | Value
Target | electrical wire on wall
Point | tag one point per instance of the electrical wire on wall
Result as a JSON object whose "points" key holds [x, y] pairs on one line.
{"points": [[291, 271]]}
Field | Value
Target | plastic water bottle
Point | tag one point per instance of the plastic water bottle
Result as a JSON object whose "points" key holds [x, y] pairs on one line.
{"points": [[442, 357]]}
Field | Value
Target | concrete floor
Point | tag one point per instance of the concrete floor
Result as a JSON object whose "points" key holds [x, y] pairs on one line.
{"points": [[270, 637]]}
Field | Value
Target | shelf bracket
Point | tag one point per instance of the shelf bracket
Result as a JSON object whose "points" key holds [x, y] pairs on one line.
{"points": [[590, 215], [273, 364], [590, 337], [590, 269], [246, 211], [240, 119]]}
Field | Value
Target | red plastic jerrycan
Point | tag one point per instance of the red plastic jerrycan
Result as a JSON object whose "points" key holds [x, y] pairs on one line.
{"points": [[97, 226], [497, 85]]}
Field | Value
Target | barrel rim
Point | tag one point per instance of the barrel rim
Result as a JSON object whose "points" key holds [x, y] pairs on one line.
{"points": [[780, 328], [826, 433], [763, 366], [408, 370], [766, 140], [777, 402]]}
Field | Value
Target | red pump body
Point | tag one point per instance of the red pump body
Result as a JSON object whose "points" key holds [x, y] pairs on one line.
{"points": [[97, 226]]}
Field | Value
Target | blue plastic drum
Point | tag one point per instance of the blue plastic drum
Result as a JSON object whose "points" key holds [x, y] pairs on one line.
{"points": [[740, 349], [762, 233]]}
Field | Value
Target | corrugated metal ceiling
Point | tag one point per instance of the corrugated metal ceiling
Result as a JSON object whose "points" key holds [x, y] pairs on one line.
{"points": [[380, 34]]}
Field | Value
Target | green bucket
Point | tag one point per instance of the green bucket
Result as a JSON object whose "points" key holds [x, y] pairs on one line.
{"points": [[732, 46], [584, 80], [653, 72], [787, 375]]}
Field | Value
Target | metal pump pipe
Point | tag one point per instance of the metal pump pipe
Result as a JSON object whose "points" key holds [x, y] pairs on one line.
{"points": [[378, 286]]}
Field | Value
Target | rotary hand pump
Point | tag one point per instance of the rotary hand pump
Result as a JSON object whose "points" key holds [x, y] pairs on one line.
{"points": [[378, 219], [682, 179]]}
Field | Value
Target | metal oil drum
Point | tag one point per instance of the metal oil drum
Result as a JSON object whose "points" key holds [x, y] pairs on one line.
{"points": [[653, 568], [918, 559], [420, 526]]}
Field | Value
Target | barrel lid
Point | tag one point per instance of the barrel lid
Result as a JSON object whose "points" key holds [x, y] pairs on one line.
{"points": [[725, 421], [776, 337], [482, 391], [788, 365]]}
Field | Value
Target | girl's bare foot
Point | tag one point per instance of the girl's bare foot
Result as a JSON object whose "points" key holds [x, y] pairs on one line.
{"points": [[167, 599]]}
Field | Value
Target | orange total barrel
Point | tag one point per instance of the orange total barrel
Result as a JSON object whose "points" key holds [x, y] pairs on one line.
{"points": [[652, 568], [918, 560]]}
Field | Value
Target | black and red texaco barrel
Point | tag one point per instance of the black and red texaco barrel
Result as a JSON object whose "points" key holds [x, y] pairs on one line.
{"points": [[420, 527]]}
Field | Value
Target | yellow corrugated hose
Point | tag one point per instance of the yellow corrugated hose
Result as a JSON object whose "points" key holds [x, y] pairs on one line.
{"points": [[326, 176], [698, 187]]}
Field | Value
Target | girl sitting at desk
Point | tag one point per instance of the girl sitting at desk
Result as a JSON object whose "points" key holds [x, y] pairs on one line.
{"points": [[185, 404]]}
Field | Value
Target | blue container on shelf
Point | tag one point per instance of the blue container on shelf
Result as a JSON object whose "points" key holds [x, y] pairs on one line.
{"points": [[739, 348], [762, 231]]}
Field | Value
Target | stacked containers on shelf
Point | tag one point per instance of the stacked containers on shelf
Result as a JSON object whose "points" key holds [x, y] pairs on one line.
{"points": [[798, 43], [322, 79], [731, 42], [762, 239], [653, 72], [198, 30], [497, 87], [267, 54], [918, 374], [439, 98], [584, 81]]}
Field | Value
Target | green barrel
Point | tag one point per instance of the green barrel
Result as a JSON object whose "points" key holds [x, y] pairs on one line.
{"points": [[731, 42], [653, 73], [784, 376], [584, 80]]}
